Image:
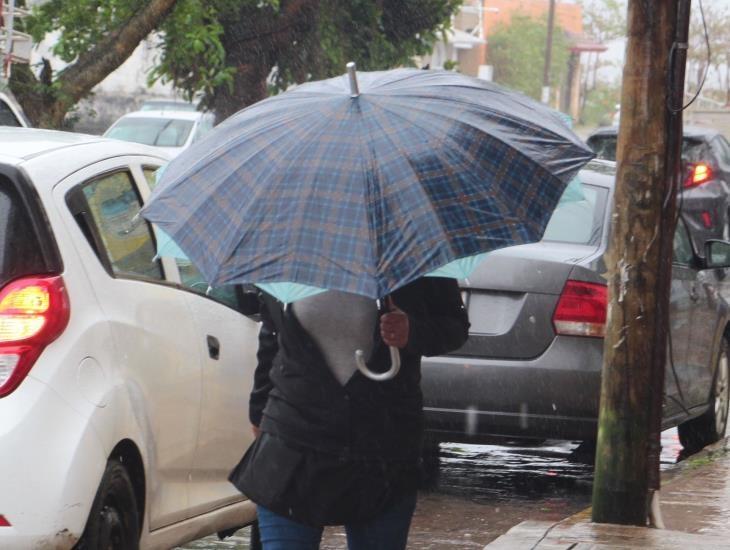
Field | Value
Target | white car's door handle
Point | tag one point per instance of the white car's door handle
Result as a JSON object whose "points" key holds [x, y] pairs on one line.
{"points": [[214, 347]]}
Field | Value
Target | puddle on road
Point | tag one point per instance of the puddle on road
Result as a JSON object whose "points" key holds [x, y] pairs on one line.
{"points": [[524, 471]]}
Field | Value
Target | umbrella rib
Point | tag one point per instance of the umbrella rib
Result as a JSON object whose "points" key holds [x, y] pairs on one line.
{"points": [[414, 171], [228, 251], [458, 149], [311, 134], [413, 106]]}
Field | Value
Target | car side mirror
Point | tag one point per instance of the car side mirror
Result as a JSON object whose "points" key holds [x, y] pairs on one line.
{"points": [[717, 253]]}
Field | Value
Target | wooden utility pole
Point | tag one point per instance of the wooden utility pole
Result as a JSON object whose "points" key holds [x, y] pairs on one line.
{"points": [[639, 260], [548, 54]]}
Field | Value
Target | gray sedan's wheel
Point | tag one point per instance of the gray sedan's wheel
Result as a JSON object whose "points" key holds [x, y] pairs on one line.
{"points": [[113, 521], [712, 425]]}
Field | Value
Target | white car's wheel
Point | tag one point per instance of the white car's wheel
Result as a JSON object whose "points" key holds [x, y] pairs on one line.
{"points": [[113, 522]]}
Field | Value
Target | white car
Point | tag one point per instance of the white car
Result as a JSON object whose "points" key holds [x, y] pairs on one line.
{"points": [[123, 386], [171, 131]]}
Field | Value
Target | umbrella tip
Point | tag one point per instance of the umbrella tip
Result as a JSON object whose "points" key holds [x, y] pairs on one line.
{"points": [[351, 72]]}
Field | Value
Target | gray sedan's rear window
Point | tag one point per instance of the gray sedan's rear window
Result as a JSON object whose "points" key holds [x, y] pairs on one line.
{"points": [[20, 252], [604, 145], [579, 216]]}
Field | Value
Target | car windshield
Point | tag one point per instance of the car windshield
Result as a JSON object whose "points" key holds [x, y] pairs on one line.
{"points": [[604, 145], [578, 218], [20, 252], [162, 132]]}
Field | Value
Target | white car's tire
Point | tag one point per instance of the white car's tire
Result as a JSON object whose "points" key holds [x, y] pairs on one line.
{"points": [[114, 519]]}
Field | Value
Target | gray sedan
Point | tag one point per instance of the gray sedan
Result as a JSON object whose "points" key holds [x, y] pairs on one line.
{"points": [[532, 365]]}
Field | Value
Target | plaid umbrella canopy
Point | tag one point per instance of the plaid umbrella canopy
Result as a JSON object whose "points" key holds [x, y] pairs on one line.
{"points": [[365, 185]]}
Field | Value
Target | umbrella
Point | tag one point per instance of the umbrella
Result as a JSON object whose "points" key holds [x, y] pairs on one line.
{"points": [[364, 184]]}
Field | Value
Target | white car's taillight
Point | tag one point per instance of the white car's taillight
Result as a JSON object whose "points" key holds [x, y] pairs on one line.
{"points": [[581, 309], [34, 311]]}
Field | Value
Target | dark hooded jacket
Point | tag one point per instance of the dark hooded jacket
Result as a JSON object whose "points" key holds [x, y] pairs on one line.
{"points": [[333, 454]]}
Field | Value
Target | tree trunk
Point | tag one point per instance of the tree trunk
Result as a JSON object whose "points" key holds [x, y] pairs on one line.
{"points": [[249, 86], [253, 41], [47, 106], [639, 260]]}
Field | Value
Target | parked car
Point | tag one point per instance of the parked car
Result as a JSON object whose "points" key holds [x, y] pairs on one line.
{"points": [[10, 112], [531, 367], [123, 385], [705, 193], [171, 131]]}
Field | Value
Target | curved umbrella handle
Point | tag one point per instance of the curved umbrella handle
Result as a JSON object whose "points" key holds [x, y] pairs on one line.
{"points": [[379, 376]]}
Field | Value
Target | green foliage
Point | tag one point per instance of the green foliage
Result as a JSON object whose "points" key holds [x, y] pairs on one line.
{"points": [[605, 20], [451, 65], [234, 52], [193, 58], [600, 104], [378, 35], [517, 52], [82, 23], [207, 41]]}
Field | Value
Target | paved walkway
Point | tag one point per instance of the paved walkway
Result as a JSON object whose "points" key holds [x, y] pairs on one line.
{"points": [[695, 506]]}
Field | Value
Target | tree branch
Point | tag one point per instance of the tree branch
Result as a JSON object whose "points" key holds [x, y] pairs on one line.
{"points": [[78, 79]]}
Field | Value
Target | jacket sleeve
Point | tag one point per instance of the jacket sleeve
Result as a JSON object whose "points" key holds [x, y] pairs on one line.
{"points": [[267, 350], [441, 324]]}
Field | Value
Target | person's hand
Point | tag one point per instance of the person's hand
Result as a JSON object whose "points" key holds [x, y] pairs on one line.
{"points": [[394, 326], [256, 431]]}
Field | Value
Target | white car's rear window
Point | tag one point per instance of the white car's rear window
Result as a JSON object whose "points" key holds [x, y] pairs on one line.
{"points": [[20, 252]]}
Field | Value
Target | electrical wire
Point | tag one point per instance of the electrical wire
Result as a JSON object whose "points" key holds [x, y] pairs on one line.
{"points": [[672, 52], [678, 182]]}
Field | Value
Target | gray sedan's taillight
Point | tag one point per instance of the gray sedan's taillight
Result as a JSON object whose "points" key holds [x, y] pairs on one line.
{"points": [[581, 309]]}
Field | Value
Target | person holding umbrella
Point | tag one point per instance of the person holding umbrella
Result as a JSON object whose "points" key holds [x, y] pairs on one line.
{"points": [[329, 197], [335, 447]]}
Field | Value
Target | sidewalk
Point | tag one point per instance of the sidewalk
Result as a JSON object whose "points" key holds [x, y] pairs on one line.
{"points": [[695, 506]]}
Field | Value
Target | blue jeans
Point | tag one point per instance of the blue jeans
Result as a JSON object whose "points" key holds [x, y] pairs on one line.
{"points": [[388, 531]]}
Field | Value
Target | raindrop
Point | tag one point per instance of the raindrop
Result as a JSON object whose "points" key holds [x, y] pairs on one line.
{"points": [[523, 416], [471, 421]]}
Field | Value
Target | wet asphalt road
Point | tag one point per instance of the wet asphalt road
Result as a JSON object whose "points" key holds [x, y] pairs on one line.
{"points": [[483, 490]]}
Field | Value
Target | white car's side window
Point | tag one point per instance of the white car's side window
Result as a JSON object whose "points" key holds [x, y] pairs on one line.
{"points": [[112, 204], [190, 277]]}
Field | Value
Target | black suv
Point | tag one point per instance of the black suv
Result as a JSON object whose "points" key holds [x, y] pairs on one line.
{"points": [[705, 196]]}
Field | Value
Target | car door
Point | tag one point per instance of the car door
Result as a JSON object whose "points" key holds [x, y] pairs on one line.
{"points": [[701, 342], [227, 342], [158, 363], [677, 377]]}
